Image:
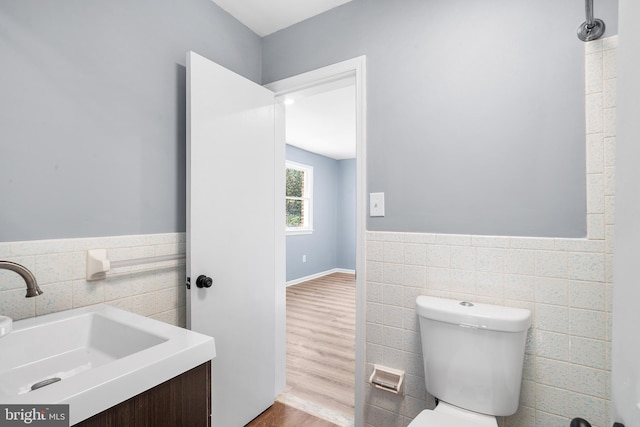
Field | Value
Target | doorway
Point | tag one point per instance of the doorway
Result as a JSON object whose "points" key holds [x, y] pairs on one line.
{"points": [[307, 84], [320, 250]]}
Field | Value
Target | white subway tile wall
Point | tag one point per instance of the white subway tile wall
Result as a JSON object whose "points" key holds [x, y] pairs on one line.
{"points": [[153, 290], [566, 283]]}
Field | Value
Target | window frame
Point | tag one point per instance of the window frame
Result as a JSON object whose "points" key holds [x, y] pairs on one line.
{"points": [[307, 198]]}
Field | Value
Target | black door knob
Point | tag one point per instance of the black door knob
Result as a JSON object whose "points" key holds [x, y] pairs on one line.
{"points": [[204, 282]]}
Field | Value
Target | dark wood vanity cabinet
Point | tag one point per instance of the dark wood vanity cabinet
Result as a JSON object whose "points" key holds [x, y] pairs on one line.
{"points": [[182, 401]]}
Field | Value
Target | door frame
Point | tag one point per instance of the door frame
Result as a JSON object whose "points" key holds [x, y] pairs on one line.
{"points": [[355, 67]]}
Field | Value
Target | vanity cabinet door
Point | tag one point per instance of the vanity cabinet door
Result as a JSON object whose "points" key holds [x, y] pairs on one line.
{"points": [[182, 401]]}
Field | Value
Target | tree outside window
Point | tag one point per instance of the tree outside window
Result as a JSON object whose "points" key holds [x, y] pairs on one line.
{"points": [[299, 187]]}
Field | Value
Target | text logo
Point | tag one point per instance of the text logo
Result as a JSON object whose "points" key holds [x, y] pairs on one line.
{"points": [[34, 415]]}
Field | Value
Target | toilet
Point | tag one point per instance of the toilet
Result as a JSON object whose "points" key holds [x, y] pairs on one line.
{"points": [[473, 355]]}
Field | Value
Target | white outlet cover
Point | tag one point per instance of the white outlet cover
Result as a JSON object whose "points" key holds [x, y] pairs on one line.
{"points": [[376, 204]]}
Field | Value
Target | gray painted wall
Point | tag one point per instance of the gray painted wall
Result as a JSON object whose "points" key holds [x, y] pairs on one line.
{"points": [[328, 246], [346, 239], [92, 111], [475, 109], [478, 105]]}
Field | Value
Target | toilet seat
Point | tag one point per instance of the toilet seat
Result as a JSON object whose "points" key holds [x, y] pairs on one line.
{"points": [[446, 415]]}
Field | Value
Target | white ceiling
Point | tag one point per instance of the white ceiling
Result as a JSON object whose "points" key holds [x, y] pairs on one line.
{"points": [[264, 17], [324, 122]]}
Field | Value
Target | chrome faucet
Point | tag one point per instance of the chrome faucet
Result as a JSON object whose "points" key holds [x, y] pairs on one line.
{"points": [[33, 290]]}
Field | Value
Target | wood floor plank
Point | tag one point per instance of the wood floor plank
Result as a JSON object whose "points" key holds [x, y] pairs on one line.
{"points": [[279, 415], [321, 342]]}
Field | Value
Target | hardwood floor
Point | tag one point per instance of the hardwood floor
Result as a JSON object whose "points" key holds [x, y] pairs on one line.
{"points": [[280, 415], [321, 342]]}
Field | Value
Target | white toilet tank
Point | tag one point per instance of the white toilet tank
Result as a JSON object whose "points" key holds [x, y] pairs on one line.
{"points": [[473, 353]]}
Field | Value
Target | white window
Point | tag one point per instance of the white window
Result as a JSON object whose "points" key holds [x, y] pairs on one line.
{"points": [[299, 198]]}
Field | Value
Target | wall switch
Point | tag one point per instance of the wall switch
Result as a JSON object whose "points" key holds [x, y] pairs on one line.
{"points": [[376, 204], [304, 258]]}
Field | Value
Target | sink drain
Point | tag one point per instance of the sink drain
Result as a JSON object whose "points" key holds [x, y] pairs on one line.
{"points": [[45, 383]]}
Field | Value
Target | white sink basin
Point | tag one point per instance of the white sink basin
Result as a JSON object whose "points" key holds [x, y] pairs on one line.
{"points": [[94, 358]]}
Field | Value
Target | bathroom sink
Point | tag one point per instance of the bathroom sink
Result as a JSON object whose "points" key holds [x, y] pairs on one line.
{"points": [[64, 348], [93, 358]]}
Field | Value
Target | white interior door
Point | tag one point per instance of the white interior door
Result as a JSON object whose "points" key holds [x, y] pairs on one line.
{"points": [[231, 218]]}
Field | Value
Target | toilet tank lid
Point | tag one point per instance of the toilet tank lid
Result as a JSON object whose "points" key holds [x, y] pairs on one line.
{"points": [[484, 316]]}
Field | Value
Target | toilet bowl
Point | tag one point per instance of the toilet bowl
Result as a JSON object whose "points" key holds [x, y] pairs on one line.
{"points": [[473, 356], [445, 415]]}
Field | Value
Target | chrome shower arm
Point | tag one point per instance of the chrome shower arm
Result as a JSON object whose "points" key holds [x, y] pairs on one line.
{"points": [[588, 4], [591, 29]]}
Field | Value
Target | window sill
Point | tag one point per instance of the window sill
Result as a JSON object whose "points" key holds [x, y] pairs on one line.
{"points": [[298, 232]]}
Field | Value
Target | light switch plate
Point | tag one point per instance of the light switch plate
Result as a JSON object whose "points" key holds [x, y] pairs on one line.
{"points": [[376, 204]]}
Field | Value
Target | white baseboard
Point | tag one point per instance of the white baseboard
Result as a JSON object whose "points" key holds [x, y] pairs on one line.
{"points": [[318, 275]]}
